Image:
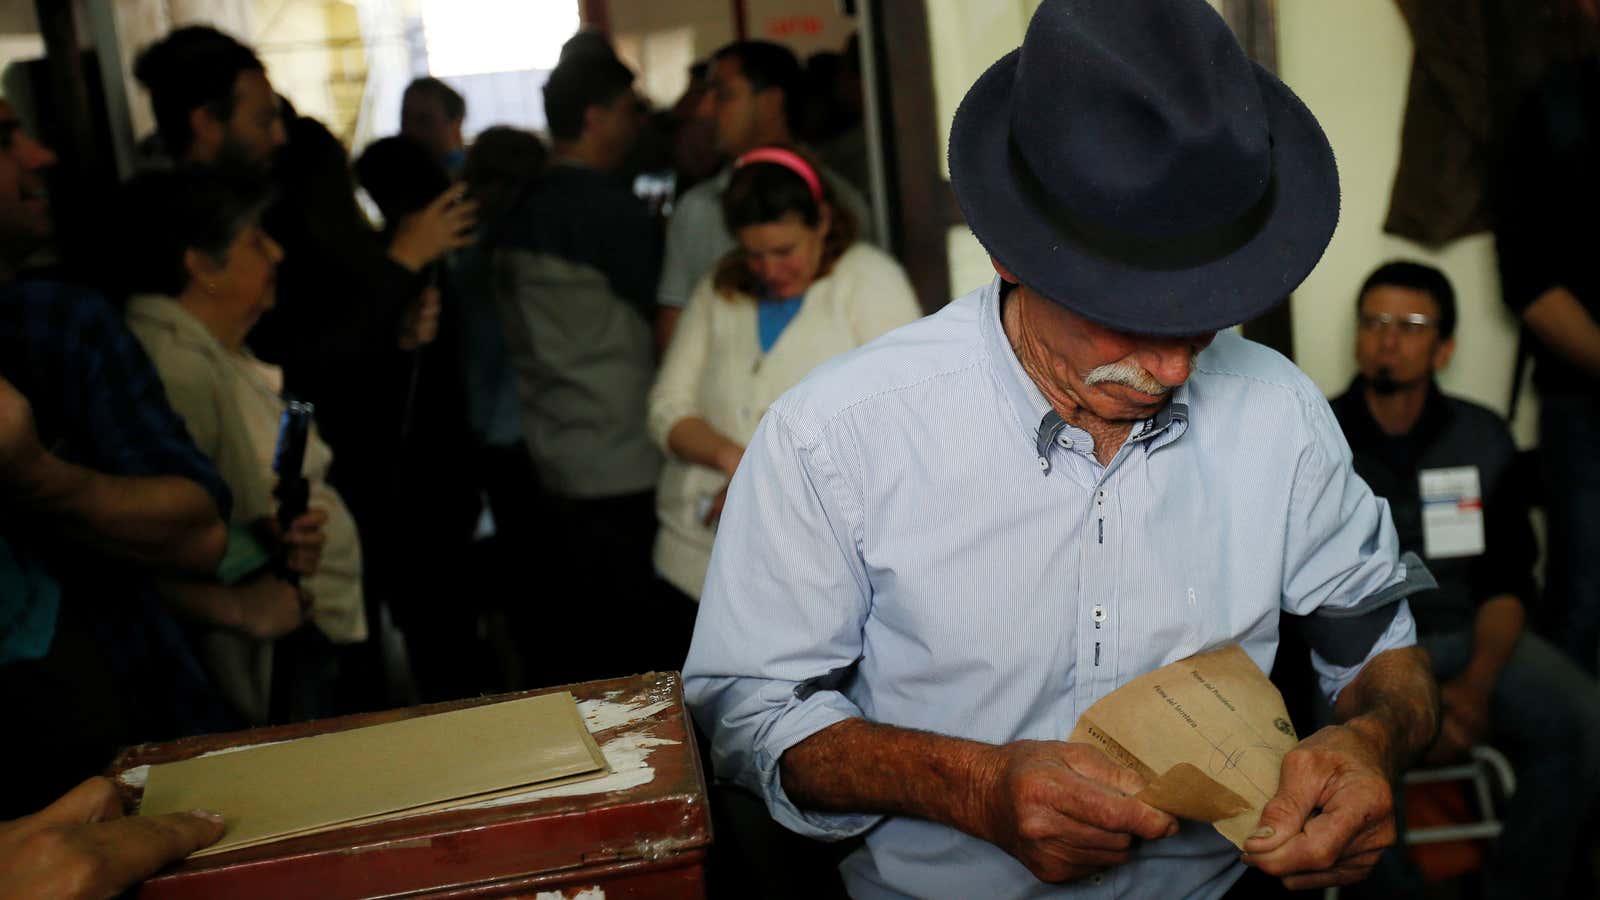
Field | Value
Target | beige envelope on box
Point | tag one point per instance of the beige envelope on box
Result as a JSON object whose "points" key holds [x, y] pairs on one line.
{"points": [[1208, 733], [380, 772]]}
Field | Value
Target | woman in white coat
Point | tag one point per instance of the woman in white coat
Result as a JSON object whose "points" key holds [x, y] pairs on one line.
{"points": [[798, 290]]}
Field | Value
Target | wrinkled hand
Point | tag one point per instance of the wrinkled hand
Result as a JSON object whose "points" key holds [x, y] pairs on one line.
{"points": [[1464, 723], [270, 607], [420, 325], [1067, 811], [19, 441], [1332, 817], [442, 226], [82, 847]]}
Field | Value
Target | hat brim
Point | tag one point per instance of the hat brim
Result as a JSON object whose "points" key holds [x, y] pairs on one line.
{"points": [[1012, 221]]}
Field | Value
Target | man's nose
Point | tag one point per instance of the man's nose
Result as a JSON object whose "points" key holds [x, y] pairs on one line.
{"points": [[707, 107], [35, 156], [1170, 361]]}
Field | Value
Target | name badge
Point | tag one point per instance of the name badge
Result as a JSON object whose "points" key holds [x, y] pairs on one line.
{"points": [[1452, 512]]}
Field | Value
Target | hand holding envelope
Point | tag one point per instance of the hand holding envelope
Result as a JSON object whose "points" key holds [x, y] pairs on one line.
{"points": [[1212, 740], [1208, 734]]}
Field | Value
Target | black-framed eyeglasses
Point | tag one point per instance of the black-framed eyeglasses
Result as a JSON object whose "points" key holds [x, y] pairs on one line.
{"points": [[1408, 324]]}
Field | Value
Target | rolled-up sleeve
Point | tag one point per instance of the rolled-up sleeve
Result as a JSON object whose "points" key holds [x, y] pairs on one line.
{"points": [[781, 618], [1344, 574]]}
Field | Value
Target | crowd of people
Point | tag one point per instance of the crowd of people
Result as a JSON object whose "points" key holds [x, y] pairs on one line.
{"points": [[551, 416], [484, 373]]}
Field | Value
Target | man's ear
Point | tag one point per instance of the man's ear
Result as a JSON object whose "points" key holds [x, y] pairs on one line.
{"points": [[591, 117], [201, 268], [1004, 273], [1443, 352], [206, 133]]}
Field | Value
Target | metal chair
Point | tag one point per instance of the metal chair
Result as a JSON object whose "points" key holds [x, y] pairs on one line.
{"points": [[1491, 778]]}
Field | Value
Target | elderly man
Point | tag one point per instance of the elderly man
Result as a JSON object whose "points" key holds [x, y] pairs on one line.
{"points": [[1444, 466], [942, 548]]}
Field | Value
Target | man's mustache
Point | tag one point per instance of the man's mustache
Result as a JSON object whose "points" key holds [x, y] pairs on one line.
{"points": [[1131, 375]]}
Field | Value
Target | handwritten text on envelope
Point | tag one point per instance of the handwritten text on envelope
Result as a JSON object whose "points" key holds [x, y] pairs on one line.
{"points": [[1208, 733]]}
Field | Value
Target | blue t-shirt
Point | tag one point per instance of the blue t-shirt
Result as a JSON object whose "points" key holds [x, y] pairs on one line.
{"points": [[773, 316]]}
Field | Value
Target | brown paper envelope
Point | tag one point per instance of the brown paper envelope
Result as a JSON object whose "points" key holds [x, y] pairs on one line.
{"points": [[366, 774], [1189, 793], [404, 813], [1087, 732], [1215, 712]]}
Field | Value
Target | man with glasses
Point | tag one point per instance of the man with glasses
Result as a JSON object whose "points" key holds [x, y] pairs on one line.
{"points": [[1443, 464]]}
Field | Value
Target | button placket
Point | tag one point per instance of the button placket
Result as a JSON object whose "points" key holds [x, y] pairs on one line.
{"points": [[1100, 561]]}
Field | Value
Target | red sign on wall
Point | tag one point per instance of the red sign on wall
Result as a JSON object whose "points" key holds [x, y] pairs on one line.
{"points": [[786, 26]]}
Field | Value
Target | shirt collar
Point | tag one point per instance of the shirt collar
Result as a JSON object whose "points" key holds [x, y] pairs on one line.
{"points": [[1038, 422], [168, 312], [1027, 403], [1362, 430]]}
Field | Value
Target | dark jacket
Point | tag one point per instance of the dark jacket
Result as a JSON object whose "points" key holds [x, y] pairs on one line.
{"points": [[1450, 433]]}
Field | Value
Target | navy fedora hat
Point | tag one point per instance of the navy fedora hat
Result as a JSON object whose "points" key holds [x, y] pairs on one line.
{"points": [[1130, 163]]}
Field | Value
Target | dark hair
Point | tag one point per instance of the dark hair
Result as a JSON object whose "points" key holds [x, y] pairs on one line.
{"points": [[503, 153], [318, 208], [764, 64], [162, 214], [401, 176], [1418, 277], [768, 65], [454, 105], [763, 192], [586, 44], [189, 68], [501, 163], [577, 84]]}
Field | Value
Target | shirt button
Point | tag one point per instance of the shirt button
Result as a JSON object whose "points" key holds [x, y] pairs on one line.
{"points": [[1044, 464], [1065, 442], [1097, 879], [1099, 613]]}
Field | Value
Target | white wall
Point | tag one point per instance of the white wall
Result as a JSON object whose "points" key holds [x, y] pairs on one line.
{"points": [[313, 53], [660, 40], [1351, 62], [804, 26], [966, 38]]}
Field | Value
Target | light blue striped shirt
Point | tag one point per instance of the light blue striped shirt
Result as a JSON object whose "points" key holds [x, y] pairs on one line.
{"points": [[900, 544]]}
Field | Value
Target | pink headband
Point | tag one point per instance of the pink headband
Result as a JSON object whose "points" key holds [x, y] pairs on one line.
{"points": [[789, 160]]}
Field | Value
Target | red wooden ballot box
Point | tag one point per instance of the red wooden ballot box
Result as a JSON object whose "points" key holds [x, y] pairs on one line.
{"points": [[641, 831]]}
